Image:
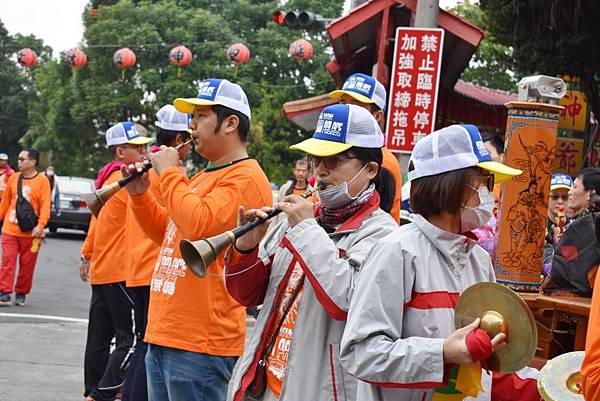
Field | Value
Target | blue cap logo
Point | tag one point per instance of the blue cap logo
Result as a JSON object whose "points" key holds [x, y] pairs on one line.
{"points": [[130, 131], [478, 147], [561, 179], [361, 84], [208, 89], [333, 123]]}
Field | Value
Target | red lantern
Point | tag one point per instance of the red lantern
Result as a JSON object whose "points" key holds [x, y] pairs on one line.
{"points": [[238, 53], [124, 58], [301, 50], [180, 56], [27, 57], [76, 58]]}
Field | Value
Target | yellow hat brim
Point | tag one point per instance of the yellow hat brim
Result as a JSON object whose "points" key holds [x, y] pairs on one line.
{"points": [[337, 94], [560, 186], [140, 140], [320, 147], [501, 171], [188, 105]]}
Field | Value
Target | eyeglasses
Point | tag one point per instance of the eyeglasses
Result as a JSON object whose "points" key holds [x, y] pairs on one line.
{"points": [[139, 148], [22, 159], [330, 162], [556, 197]]}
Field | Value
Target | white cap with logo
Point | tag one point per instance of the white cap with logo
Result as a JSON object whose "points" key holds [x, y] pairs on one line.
{"points": [[125, 132], [216, 92], [363, 88], [454, 148], [340, 127], [169, 118]]}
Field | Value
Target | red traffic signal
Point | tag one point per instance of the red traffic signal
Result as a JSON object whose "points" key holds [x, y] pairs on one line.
{"points": [[299, 19], [278, 17]]}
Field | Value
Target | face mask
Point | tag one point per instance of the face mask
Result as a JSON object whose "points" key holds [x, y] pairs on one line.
{"points": [[49, 173], [473, 217], [338, 196]]}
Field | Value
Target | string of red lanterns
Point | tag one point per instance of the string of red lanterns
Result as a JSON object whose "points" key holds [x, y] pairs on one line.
{"points": [[180, 56]]}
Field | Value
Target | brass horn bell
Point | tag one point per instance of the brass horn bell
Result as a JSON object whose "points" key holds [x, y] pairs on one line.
{"points": [[198, 255]]}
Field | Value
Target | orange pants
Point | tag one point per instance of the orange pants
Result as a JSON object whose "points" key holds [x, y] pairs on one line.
{"points": [[13, 247]]}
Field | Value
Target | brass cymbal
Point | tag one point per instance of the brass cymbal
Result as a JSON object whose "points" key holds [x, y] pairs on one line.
{"points": [[500, 310], [560, 379]]}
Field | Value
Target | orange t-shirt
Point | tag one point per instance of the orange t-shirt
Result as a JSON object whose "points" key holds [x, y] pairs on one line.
{"points": [[37, 191], [188, 312], [390, 163], [591, 363], [4, 176], [298, 191], [105, 244], [142, 251], [277, 360]]}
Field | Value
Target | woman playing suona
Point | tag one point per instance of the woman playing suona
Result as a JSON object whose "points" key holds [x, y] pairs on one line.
{"points": [[400, 339], [304, 271]]}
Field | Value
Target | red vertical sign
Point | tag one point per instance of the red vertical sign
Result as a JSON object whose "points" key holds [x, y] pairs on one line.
{"points": [[414, 86]]}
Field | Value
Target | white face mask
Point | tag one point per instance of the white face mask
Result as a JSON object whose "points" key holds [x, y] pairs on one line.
{"points": [[49, 173], [338, 196], [472, 217]]}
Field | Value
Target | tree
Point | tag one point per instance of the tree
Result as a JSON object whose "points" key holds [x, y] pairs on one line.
{"points": [[78, 108], [16, 89], [551, 37], [491, 65]]}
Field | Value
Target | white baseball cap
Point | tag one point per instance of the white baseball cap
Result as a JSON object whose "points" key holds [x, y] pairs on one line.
{"points": [[213, 92], [3, 156], [340, 127], [454, 148], [169, 118], [363, 88], [125, 132]]}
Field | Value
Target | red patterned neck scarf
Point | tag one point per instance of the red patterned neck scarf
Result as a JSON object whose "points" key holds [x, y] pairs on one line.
{"points": [[335, 217]]}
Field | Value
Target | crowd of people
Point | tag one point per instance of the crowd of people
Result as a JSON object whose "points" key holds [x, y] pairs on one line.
{"points": [[356, 298]]}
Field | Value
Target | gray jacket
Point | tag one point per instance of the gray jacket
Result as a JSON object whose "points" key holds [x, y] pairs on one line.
{"points": [[330, 263], [403, 309]]}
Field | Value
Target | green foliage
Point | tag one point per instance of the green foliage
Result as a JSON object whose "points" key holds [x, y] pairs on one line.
{"points": [[491, 65], [16, 89], [75, 108], [551, 37]]}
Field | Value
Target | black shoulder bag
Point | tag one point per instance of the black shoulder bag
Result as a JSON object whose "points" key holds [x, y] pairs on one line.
{"points": [[26, 217]]}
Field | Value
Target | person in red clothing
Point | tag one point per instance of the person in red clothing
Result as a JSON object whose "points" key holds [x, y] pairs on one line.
{"points": [[17, 243], [5, 172], [103, 263]]}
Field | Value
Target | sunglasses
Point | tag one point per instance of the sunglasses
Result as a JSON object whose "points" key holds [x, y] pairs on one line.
{"points": [[330, 162], [556, 197]]}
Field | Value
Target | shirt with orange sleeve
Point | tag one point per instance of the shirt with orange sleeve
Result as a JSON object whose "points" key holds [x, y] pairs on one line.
{"points": [[142, 251], [5, 174], [591, 364], [390, 163], [106, 242], [188, 312], [37, 191]]}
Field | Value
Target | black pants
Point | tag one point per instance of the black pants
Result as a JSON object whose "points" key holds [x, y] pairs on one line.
{"points": [[136, 384], [111, 315]]}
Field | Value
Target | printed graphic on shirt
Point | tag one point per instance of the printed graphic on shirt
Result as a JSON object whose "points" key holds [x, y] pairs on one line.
{"points": [[277, 360], [12, 213], [168, 269]]}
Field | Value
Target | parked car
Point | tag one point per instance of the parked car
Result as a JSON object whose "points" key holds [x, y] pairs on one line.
{"points": [[71, 211]]}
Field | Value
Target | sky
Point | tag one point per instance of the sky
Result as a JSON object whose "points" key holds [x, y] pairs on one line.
{"points": [[58, 22]]}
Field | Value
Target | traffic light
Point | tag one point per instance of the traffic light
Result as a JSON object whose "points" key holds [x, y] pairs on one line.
{"points": [[299, 19]]}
